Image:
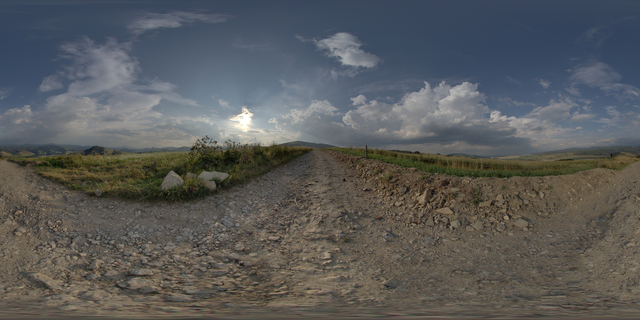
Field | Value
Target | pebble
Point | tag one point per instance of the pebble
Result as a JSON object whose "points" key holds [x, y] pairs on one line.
{"points": [[392, 283], [98, 192], [444, 210]]}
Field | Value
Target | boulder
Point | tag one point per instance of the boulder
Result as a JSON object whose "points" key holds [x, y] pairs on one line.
{"points": [[171, 180], [213, 175], [210, 178]]}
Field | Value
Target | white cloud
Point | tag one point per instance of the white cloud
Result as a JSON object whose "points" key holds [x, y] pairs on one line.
{"points": [[601, 75], [151, 21], [346, 48], [544, 83], [104, 101], [50, 83], [16, 116], [577, 117], [361, 99], [448, 117], [97, 68], [314, 110], [555, 112]]}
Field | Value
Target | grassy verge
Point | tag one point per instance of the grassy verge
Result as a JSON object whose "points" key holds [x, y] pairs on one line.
{"points": [[140, 176], [471, 167]]}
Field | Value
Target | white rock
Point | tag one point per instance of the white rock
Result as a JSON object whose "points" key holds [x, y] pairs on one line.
{"points": [[422, 199], [213, 175], [444, 211], [171, 180], [98, 192]]}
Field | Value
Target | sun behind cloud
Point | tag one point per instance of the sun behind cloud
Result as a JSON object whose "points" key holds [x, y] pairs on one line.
{"points": [[243, 119]]}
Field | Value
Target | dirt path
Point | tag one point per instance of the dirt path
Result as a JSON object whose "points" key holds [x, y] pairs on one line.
{"points": [[327, 232]]}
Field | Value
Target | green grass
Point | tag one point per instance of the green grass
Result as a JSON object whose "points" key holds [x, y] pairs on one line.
{"points": [[140, 176], [471, 167]]}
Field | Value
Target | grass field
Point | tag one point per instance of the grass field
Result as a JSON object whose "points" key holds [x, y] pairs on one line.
{"points": [[139, 176], [471, 167]]}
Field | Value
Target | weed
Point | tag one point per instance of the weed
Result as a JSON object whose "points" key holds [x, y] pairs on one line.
{"points": [[453, 195], [387, 176], [346, 240], [476, 199]]}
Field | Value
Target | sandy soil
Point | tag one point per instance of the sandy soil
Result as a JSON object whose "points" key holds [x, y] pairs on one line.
{"points": [[327, 234]]}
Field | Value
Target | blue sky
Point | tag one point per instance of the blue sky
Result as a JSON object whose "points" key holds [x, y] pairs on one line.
{"points": [[480, 77]]}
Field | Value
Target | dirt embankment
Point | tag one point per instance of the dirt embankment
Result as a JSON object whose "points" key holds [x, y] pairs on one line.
{"points": [[327, 229]]}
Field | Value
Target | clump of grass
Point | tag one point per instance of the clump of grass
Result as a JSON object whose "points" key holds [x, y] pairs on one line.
{"points": [[387, 176], [476, 197], [472, 167], [140, 176]]}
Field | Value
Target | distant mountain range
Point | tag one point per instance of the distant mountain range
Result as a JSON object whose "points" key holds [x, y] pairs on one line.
{"points": [[30, 150]]}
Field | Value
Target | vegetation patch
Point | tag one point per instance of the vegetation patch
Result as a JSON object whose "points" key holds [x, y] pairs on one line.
{"points": [[140, 176], [482, 167]]}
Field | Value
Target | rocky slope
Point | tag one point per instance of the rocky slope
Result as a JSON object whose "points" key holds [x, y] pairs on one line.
{"points": [[349, 234]]}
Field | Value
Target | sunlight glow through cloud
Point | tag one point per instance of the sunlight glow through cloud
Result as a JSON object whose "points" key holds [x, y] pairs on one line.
{"points": [[243, 119]]}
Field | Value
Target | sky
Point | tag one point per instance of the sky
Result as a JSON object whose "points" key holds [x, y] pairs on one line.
{"points": [[478, 77]]}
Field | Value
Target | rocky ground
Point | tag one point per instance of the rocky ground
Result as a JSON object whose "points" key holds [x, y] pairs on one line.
{"points": [[327, 234]]}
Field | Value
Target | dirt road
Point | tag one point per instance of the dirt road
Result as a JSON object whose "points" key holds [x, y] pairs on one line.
{"points": [[332, 234]]}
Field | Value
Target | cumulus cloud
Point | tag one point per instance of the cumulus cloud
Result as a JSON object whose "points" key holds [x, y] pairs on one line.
{"points": [[601, 75], [16, 115], [316, 109], [104, 99], [98, 67], [578, 117], [345, 47], [151, 21], [447, 117]]}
